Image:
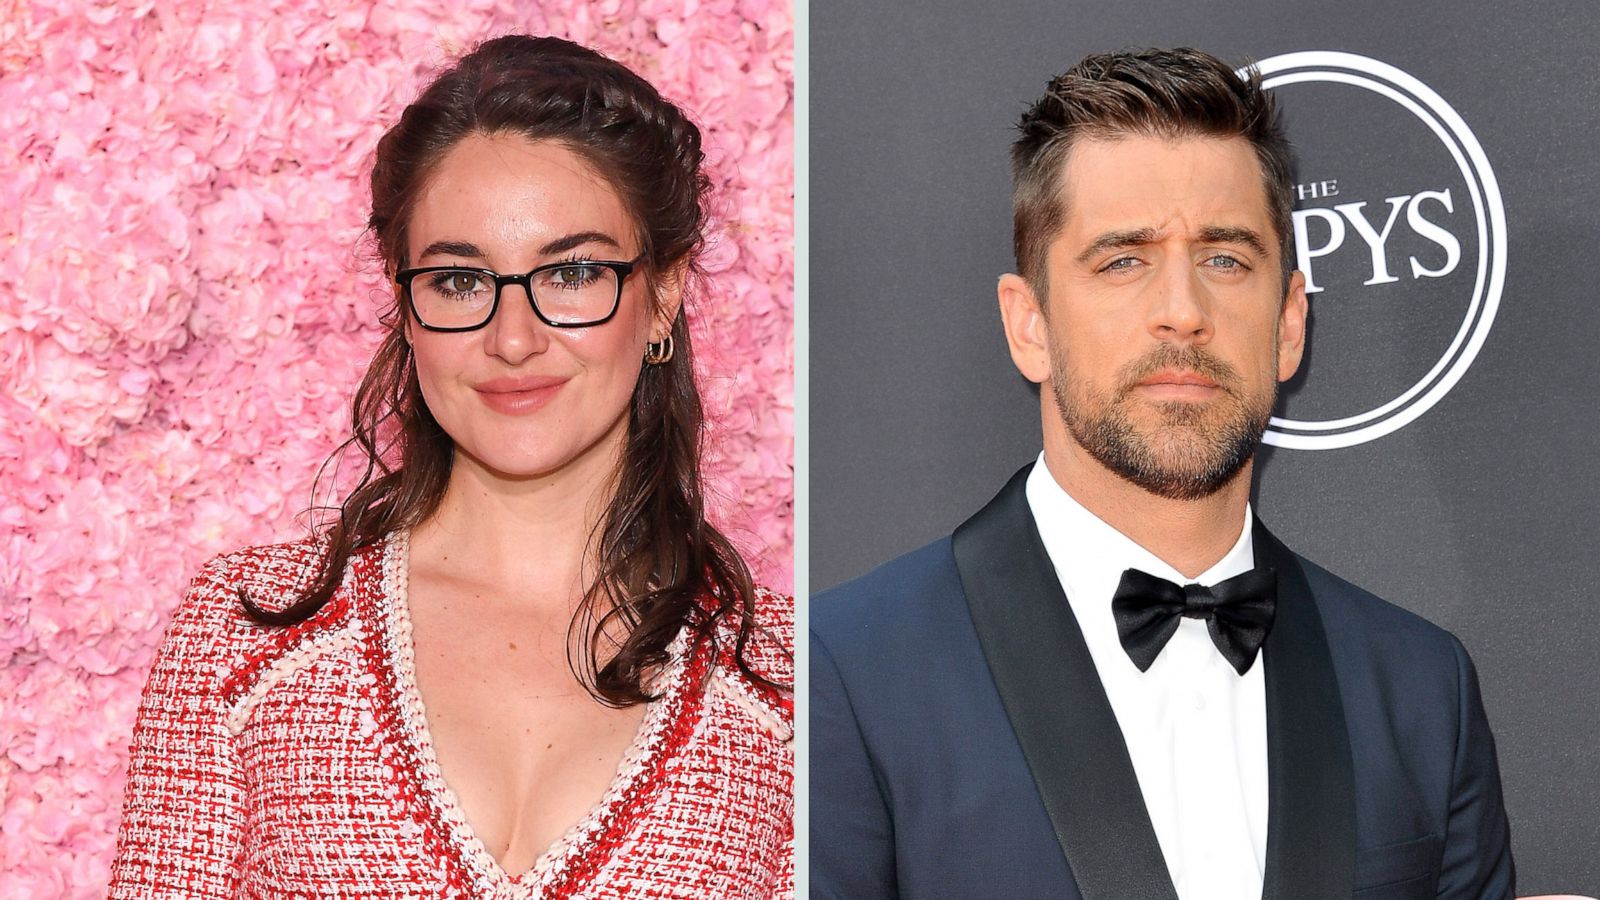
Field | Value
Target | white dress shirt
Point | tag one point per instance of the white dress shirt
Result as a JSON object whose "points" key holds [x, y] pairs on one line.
{"points": [[1195, 728]]}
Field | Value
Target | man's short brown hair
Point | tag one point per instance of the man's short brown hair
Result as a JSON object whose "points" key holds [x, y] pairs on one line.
{"points": [[1158, 93]]}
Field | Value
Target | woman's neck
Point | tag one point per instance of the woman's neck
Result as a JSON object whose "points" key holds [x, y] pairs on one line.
{"points": [[530, 536]]}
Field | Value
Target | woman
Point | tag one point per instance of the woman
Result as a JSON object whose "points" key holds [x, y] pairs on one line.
{"points": [[521, 664]]}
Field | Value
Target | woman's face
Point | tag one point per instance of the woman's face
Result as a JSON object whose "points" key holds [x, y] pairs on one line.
{"points": [[518, 397]]}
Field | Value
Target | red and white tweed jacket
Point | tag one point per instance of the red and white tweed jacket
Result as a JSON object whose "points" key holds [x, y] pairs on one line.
{"points": [[277, 762]]}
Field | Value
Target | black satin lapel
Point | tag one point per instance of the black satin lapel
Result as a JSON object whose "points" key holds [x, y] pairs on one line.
{"points": [[1053, 697], [1311, 821]]}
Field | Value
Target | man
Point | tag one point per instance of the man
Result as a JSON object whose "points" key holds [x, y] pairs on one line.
{"points": [[1113, 682]]}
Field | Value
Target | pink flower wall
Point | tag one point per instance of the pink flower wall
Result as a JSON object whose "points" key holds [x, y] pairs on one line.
{"points": [[187, 300]]}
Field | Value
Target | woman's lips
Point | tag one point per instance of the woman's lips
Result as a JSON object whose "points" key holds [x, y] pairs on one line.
{"points": [[517, 396]]}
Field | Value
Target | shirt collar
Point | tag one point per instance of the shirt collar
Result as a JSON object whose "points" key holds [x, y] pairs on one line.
{"points": [[1089, 555]]}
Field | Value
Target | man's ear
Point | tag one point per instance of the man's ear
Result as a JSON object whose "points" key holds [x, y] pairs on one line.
{"points": [[1292, 327], [1027, 334]]}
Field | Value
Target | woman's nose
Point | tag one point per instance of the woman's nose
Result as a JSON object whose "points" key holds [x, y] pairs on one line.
{"points": [[516, 332]]}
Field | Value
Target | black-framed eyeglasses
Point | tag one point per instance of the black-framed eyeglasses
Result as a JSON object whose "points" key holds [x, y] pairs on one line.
{"points": [[572, 294]]}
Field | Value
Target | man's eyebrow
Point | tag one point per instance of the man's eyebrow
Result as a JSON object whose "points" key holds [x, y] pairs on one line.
{"points": [[1136, 237], [561, 244], [1226, 234], [1118, 240]]}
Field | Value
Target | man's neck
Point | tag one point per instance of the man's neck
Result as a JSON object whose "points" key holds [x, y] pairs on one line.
{"points": [[1189, 535]]}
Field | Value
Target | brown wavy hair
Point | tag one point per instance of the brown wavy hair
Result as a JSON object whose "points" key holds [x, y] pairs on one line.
{"points": [[661, 564]]}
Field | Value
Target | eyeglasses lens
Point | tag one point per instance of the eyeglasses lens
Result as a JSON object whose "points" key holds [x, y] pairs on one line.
{"points": [[464, 298]]}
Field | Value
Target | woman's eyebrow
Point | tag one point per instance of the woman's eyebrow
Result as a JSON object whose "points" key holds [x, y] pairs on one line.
{"points": [[453, 248], [578, 239], [561, 244]]}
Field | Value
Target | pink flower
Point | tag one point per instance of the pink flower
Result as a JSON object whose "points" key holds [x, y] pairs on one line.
{"points": [[189, 300]]}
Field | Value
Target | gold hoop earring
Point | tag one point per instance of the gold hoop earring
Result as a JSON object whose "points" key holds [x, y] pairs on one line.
{"points": [[658, 352]]}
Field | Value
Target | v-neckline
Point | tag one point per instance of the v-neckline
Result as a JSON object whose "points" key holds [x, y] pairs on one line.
{"points": [[581, 849]]}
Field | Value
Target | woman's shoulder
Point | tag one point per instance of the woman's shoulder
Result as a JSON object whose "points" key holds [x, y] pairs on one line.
{"points": [[759, 670], [772, 638], [215, 652], [211, 620], [266, 567], [275, 576], [271, 575], [763, 639]]}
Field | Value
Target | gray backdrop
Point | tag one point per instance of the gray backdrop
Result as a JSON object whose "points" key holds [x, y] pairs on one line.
{"points": [[1480, 514]]}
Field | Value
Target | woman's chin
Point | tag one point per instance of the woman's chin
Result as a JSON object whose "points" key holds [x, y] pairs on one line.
{"points": [[510, 468]]}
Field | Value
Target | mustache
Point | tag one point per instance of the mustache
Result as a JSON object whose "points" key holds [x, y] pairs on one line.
{"points": [[1191, 359]]}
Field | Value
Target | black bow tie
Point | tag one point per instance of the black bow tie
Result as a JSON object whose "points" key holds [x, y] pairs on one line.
{"points": [[1238, 613]]}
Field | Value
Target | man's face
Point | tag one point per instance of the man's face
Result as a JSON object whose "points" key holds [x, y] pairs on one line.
{"points": [[1166, 328]]}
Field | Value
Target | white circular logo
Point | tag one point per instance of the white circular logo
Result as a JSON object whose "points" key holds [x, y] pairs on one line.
{"points": [[1488, 212]]}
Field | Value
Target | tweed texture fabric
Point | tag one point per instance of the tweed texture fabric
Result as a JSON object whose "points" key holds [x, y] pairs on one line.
{"points": [[277, 762]]}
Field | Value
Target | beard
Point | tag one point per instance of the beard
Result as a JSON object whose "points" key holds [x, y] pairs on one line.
{"points": [[1192, 450]]}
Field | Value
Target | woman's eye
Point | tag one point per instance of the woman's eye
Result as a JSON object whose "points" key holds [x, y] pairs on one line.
{"points": [[456, 284], [572, 276]]}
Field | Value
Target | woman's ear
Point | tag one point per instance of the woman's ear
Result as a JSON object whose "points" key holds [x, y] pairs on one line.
{"points": [[404, 312], [668, 299]]}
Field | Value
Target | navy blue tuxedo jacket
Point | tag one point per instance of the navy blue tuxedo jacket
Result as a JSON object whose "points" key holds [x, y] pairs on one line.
{"points": [[962, 746]]}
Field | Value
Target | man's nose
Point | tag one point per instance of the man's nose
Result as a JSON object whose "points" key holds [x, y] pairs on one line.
{"points": [[1180, 308]]}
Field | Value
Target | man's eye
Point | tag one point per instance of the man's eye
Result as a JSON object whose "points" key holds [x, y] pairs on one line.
{"points": [[1225, 262], [1121, 264]]}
